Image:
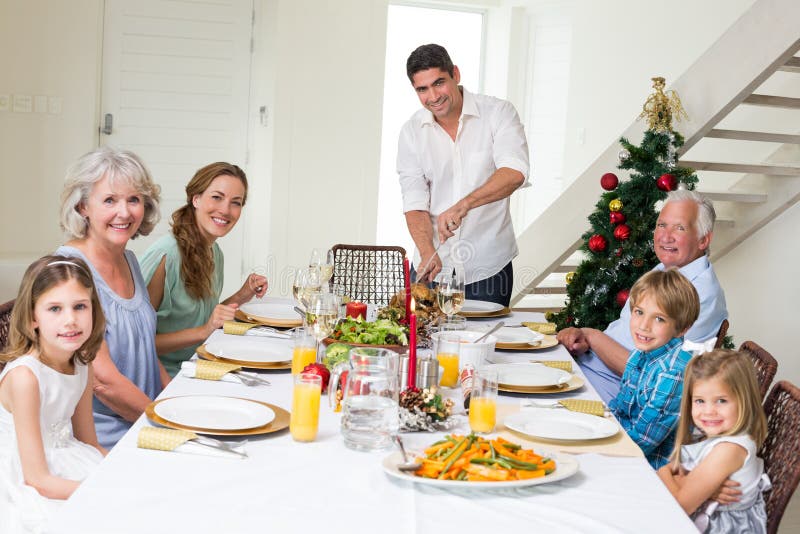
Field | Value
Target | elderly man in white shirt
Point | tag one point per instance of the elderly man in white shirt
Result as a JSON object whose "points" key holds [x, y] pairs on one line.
{"points": [[459, 159]]}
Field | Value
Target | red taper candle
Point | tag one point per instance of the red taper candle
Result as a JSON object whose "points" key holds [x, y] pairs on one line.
{"points": [[412, 348]]}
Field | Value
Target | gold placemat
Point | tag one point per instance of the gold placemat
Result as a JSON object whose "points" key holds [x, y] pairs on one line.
{"points": [[620, 444], [162, 439], [575, 382], [542, 328], [205, 355], [280, 422], [210, 370], [237, 328], [564, 365], [584, 406]]}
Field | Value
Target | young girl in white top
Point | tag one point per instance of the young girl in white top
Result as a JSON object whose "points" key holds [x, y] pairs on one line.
{"points": [[47, 437], [722, 424]]}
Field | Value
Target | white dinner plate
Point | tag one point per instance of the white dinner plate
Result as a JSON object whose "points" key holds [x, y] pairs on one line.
{"points": [[480, 306], [562, 424], [214, 413], [281, 310], [566, 466], [517, 335], [250, 349], [529, 375]]}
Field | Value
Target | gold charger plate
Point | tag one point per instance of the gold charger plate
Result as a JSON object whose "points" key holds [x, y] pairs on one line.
{"points": [[280, 422], [499, 313], [266, 321], [574, 383], [203, 353], [546, 343]]}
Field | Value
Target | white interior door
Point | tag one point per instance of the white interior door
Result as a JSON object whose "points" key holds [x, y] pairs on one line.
{"points": [[175, 84]]}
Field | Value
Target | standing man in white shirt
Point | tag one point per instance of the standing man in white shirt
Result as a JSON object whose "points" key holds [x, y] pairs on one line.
{"points": [[459, 159]]}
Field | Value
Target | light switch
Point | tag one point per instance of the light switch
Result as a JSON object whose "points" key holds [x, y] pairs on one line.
{"points": [[23, 103], [54, 105], [5, 102], [40, 104]]}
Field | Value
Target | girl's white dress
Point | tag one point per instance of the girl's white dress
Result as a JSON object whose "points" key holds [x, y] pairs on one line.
{"points": [[748, 515], [22, 509]]}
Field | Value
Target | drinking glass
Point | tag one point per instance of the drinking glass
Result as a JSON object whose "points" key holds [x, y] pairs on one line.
{"points": [[453, 323], [306, 281], [314, 260], [304, 419], [322, 313], [305, 350], [450, 290], [447, 346], [483, 401]]}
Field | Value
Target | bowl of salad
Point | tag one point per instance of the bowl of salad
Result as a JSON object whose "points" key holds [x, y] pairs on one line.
{"points": [[383, 334]]}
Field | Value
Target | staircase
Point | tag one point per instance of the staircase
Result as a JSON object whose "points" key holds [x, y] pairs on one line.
{"points": [[742, 139]]}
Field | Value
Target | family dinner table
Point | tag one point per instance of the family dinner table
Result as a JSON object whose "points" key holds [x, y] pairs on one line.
{"points": [[322, 486]]}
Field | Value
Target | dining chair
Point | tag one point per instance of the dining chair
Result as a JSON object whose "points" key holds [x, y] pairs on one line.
{"points": [[369, 273], [781, 450], [766, 366], [5, 322], [723, 329]]}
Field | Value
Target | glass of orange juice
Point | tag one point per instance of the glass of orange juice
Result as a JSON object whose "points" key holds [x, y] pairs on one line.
{"points": [[305, 350], [304, 419], [448, 345], [483, 401]]}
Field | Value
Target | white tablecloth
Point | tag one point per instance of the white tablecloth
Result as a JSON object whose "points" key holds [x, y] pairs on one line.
{"points": [[324, 487]]}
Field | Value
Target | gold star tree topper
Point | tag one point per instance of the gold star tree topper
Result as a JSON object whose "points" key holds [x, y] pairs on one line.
{"points": [[660, 107]]}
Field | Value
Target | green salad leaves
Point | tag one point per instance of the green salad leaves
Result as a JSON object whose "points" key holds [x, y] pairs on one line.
{"points": [[381, 332]]}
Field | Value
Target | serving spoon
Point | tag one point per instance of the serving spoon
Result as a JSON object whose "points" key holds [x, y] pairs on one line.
{"points": [[407, 465]]}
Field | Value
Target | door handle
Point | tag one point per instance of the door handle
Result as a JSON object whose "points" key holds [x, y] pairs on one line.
{"points": [[108, 124]]}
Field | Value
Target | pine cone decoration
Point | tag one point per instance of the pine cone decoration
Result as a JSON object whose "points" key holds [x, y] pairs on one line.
{"points": [[412, 398]]}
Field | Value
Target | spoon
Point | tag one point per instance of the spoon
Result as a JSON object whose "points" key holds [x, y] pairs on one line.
{"points": [[406, 465], [495, 328]]}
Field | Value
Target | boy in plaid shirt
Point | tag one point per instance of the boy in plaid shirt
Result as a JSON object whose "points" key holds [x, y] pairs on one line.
{"points": [[664, 304]]}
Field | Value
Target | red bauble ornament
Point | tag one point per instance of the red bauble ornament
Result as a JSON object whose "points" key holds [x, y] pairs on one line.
{"points": [[609, 181], [667, 182], [622, 297], [616, 217], [597, 243], [622, 232]]}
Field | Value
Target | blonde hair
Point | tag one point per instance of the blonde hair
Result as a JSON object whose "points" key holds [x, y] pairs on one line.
{"points": [[673, 293], [737, 371], [41, 276], [197, 257], [120, 167]]}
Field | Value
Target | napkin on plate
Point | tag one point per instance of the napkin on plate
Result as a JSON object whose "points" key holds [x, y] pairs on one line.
{"points": [[208, 370], [168, 439], [542, 328], [238, 328], [564, 365]]}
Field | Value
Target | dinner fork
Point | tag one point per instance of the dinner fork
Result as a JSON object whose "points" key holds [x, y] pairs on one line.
{"points": [[250, 379]]}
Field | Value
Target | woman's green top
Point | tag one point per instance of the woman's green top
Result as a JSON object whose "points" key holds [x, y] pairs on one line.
{"points": [[178, 310]]}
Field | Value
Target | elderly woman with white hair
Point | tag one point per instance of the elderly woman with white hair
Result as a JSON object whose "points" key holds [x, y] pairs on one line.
{"points": [[108, 199]]}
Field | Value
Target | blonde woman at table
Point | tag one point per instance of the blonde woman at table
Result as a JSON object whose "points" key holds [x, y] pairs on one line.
{"points": [[48, 442], [108, 199], [184, 269], [721, 427]]}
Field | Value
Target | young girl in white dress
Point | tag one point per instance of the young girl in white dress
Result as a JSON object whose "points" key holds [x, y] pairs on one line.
{"points": [[47, 437], [722, 424]]}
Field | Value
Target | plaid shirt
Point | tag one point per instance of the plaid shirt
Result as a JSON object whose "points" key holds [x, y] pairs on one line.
{"points": [[649, 399]]}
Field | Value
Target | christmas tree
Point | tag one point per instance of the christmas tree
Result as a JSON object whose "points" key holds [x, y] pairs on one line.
{"points": [[619, 244]]}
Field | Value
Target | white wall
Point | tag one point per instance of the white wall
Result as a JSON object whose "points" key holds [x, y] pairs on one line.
{"points": [[50, 49], [763, 292]]}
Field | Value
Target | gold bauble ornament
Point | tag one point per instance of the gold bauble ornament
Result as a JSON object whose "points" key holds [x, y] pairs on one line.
{"points": [[570, 275], [615, 205]]}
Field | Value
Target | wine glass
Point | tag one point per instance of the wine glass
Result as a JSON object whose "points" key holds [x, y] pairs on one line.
{"points": [[306, 281], [322, 314], [326, 268], [450, 290], [314, 260]]}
